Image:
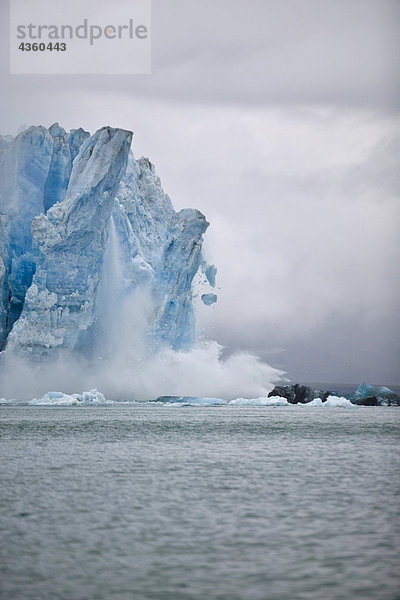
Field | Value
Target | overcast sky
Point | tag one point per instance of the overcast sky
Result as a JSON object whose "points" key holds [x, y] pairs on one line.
{"points": [[280, 120]]}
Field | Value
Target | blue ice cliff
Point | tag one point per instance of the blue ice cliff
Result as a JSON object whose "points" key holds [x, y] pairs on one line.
{"points": [[84, 224]]}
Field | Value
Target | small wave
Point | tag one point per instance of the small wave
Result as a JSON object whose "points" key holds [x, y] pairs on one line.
{"points": [[189, 401]]}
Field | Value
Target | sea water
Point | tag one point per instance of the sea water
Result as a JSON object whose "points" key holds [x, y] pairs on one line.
{"points": [[155, 502]]}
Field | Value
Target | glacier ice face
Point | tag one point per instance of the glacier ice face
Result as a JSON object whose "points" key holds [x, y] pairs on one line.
{"points": [[83, 226], [29, 175], [68, 244], [65, 148], [23, 171], [162, 248]]}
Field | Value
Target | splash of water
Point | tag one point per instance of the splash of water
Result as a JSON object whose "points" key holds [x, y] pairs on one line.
{"points": [[199, 372], [123, 311], [120, 364]]}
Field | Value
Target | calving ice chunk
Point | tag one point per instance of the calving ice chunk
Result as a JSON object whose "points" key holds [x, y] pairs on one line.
{"points": [[89, 240]]}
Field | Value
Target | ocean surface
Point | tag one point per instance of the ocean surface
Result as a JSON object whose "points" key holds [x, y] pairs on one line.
{"points": [[153, 502]]}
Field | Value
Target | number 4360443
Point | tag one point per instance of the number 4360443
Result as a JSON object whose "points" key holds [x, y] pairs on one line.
{"points": [[35, 47]]}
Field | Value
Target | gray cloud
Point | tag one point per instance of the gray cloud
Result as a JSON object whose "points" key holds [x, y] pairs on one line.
{"points": [[258, 52]]}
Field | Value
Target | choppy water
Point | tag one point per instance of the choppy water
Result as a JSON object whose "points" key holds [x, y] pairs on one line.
{"points": [[153, 502]]}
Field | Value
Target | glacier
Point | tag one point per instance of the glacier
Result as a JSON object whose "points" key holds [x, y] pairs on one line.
{"points": [[84, 226], [99, 280]]}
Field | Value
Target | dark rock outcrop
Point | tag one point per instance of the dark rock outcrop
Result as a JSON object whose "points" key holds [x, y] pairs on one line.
{"points": [[300, 394], [369, 401]]}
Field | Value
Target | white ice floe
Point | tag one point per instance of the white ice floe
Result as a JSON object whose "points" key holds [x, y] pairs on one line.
{"points": [[94, 397], [60, 399], [331, 401], [271, 401]]}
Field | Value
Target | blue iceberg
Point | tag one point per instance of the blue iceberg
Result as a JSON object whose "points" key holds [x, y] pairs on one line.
{"points": [[371, 395]]}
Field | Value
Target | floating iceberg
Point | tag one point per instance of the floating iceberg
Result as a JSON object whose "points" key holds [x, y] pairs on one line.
{"points": [[331, 401], [93, 397], [370, 395]]}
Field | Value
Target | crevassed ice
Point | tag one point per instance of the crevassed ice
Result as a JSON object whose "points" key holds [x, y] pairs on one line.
{"points": [[79, 214]]}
